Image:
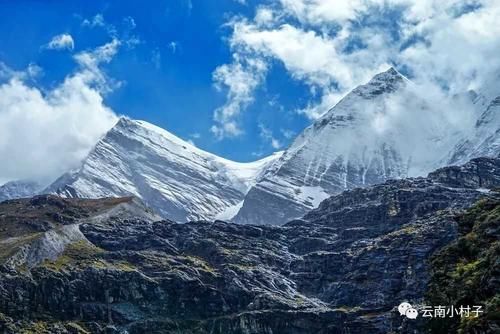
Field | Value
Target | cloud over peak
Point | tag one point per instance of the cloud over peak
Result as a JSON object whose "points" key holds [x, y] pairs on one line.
{"points": [[46, 133], [332, 46]]}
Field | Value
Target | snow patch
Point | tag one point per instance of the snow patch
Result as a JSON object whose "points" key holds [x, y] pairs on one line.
{"points": [[230, 212]]}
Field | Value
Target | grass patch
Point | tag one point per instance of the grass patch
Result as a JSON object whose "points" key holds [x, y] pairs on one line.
{"points": [[83, 254]]}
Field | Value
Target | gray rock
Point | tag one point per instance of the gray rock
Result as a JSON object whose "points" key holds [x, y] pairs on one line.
{"points": [[343, 268]]}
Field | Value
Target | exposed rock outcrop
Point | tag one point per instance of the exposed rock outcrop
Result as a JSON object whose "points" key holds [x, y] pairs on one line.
{"points": [[343, 268]]}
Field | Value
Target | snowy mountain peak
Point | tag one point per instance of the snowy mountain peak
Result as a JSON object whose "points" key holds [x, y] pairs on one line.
{"points": [[19, 189], [484, 141], [347, 147], [145, 129], [177, 179], [385, 82]]}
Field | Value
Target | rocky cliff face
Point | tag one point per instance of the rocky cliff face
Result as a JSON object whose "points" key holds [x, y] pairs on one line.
{"points": [[343, 268], [467, 272]]}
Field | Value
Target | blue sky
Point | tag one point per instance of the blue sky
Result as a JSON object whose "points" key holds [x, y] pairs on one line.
{"points": [[239, 78], [166, 72]]}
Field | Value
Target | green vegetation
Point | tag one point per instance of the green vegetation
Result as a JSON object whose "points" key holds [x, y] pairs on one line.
{"points": [[84, 254], [467, 272], [10, 246], [42, 327], [199, 263]]}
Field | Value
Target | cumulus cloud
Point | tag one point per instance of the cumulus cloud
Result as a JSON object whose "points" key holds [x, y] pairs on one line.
{"points": [[240, 79], [61, 42], [333, 46], [45, 133]]}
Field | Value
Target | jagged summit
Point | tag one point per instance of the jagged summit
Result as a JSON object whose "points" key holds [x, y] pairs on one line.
{"points": [[341, 150], [143, 127], [177, 179], [390, 74], [384, 82]]}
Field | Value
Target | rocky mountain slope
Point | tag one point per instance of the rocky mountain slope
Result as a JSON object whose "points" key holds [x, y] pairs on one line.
{"points": [[343, 268], [381, 130], [19, 189], [485, 137], [175, 178], [467, 272]]}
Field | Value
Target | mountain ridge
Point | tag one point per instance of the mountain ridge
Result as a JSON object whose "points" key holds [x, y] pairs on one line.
{"points": [[381, 130], [176, 178], [344, 267], [339, 151]]}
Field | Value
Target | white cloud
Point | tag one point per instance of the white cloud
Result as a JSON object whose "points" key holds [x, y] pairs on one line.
{"points": [[287, 133], [32, 71], [332, 46], [264, 16], [173, 46], [125, 33], [61, 42], [321, 11], [96, 21], [240, 78], [129, 23], [314, 110], [90, 61], [267, 135], [44, 134], [310, 57], [460, 51]]}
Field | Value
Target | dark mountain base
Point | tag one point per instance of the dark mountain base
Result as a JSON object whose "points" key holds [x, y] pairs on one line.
{"points": [[107, 266]]}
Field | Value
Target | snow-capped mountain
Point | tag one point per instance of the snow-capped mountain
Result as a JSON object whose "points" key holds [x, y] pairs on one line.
{"points": [[19, 189], [387, 128], [379, 131], [176, 179], [484, 141]]}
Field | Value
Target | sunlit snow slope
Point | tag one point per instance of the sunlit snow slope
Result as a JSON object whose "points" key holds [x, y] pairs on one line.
{"points": [[379, 131], [178, 180]]}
